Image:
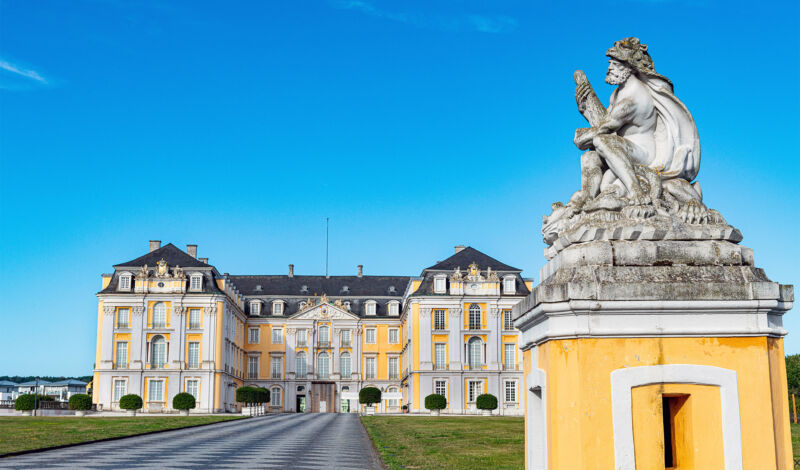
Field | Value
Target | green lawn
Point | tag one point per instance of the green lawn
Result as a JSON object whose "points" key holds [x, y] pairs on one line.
{"points": [[25, 433], [448, 442], [796, 440]]}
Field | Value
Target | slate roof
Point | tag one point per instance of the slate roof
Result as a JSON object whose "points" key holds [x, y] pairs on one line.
{"points": [[32, 383], [171, 254], [6, 383], [468, 256], [69, 382]]}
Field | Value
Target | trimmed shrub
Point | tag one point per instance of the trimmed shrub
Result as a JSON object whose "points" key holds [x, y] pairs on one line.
{"points": [[183, 401], [405, 407], [369, 396], [80, 401], [131, 401], [262, 394], [487, 401], [25, 402], [434, 401], [249, 394]]}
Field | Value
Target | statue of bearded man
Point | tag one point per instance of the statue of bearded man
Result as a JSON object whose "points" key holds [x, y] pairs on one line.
{"points": [[641, 151]]}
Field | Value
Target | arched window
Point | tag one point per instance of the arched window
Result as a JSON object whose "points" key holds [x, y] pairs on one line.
{"points": [[324, 335], [344, 365], [159, 315], [275, 396], [393, 401], [475, 353], [301, 365], [323, 365], [474, 317], [158, 352]]}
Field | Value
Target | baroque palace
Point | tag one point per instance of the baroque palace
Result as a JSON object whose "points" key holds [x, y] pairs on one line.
{"points": [[169, 322]]}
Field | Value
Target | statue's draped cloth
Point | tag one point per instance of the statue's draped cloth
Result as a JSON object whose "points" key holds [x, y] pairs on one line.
{"points": [[677, 141]]}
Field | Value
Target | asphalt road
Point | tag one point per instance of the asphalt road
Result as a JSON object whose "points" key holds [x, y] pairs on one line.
{"points": [[296, 441]]}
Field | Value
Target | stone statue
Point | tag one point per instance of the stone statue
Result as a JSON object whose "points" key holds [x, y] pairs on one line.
{"points": [[143, 273], [642, 152], [162, 268], [177, 272]]}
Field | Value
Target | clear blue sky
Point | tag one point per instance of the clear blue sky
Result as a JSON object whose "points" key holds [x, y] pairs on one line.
{"points": [[413, 125]]}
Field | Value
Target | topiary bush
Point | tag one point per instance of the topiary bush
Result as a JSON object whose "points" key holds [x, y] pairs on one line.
{"points": [[249, 394], [80, 401], [487, 401], [369, 396], [434, 401], [183, 401], [131, 401], [25, 402]]}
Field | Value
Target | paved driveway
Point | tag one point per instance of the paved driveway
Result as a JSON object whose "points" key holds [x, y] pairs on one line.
{"points": [[296, 441]]}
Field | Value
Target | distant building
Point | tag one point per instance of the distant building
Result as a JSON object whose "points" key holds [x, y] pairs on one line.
{"points": [[8, 390], [30, 387], [64, 389]]}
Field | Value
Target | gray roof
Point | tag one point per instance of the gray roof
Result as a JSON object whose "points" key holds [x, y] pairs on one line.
{"points": [[69, 382], [171, 254], [32, 383], [470, 255], [6, 383]]}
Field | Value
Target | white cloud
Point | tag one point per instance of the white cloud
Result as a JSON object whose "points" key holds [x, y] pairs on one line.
{"points": [[16, 70]]}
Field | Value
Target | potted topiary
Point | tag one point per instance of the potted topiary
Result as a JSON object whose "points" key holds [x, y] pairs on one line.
{"points": [[435, 402], [184, 402], [81, 403], [251, 396], [486, 403], [405, 408], [131, 402], [24, 404], [369, 396]]}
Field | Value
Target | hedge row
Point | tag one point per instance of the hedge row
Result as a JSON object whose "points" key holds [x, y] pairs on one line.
{"points": [[25, 402], [252, 395]]}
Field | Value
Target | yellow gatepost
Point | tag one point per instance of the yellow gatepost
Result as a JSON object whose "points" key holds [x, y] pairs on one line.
{"points": [[652, 340]]}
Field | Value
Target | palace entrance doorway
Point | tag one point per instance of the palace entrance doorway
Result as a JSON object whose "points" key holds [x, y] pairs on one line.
{"points": [[323, 397]]}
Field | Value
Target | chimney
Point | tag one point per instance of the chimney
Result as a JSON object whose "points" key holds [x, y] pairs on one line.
{"points": [[459, 248], [291, 270], [360, 270], [154, 245], [192, 250], [204, 260]]}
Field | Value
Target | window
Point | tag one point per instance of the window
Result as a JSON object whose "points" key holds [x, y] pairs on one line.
{"points": [[394, 309], [193, 388], [393, 401], [194, 318], [122, 317], [194, 355], [510, 356], [371, 307], [277, 335], [252, 367], [156, 390], [508, 322], [255, 308], [440, 355], [125, 282], [160, 315], [276, 367], [301, 366], [439, 285], [122, 354], [511, 391], [394, 335], [474, 317], [439, 319], [394, 368], [323, 365], [324, 339], [345, 338], [158, 352], [475, 388], [474, 346], [371, 367], [195, 282], [440, 387], [344, 365], [254, 336], [277, 307], [275, 396], [370, 332], [120, 388], [301, 337], [509, 285]]}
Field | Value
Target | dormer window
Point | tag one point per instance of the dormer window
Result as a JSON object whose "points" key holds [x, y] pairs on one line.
{"points": [[509, 285], [195, 282], [125, 281], [440, 284], [392, 290], [394, 308], [255, 307], [277, 307], [371, 307]]}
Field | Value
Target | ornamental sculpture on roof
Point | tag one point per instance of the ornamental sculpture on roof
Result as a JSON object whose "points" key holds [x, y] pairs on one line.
{"points": [[642, 153]]}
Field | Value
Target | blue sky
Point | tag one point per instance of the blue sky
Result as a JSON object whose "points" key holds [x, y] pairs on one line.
{"points": [[413, 125]]}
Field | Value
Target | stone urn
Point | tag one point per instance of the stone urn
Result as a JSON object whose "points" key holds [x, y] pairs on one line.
{"points": [[370, 410], [434, 412], [131, 413], [184, 412], [80, 412], [25, 413], [486, 412]]}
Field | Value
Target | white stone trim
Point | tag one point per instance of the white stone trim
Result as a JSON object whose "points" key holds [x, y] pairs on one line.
{"points": [[623, 380], [651, 318], [536, 419]]}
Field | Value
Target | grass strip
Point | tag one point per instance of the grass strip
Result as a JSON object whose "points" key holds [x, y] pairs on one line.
{"points": [[415, 442]]}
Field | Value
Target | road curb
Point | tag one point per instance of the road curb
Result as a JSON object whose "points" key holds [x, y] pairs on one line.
{"points": [[64, 446], [375, 451]]}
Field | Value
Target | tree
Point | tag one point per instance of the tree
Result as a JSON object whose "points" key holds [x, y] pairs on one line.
{"points": [[369, 396], [793, 373]]}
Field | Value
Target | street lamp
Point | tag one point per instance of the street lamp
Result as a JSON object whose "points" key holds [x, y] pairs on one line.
{"points": [[35, 396]]}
